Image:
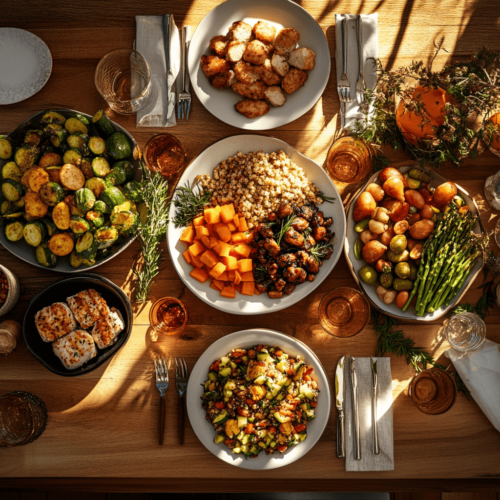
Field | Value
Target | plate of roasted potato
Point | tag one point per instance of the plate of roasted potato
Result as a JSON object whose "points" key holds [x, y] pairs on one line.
{"points": [[411, 242], [258, 65]]}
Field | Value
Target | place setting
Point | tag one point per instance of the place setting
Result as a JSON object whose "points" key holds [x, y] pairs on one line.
{"points": [[148, 249]]}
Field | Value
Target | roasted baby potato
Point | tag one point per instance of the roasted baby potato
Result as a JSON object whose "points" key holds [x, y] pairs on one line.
{"points": [[373, 251], [397, 209], [389, 172], [414, 198], [364, 207], [444, 194], [376, 191], [293, 80], [254, 91], [212, 65], [421, 229], [394, 187], [251, 108]]}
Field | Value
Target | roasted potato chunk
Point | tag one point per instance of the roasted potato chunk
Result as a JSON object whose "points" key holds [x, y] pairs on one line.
{"points": [[275, 95], [264, 32], [255, 370], [286, 41], [256, 52], [266, 73], [302, 58], [231, 428], [251, 108], [240, 32], [223, 80], [218, 45], [245, 73], [212, 65], [280, 65], [254, 91], [258, 392], [293, 80], [235, 51]]}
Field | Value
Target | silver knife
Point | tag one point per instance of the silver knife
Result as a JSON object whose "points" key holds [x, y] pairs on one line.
{"points": [[376, 449], [339, 402], [354, 382]]}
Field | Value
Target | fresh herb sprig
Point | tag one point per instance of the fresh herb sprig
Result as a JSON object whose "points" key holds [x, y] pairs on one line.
{"points": [[320, 250], [189, 203], [152, 230], [286, 224], [326, 199]]}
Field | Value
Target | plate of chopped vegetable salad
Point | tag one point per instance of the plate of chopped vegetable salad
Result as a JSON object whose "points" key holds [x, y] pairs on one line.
{"points": [[265, 399], [69, 197]]}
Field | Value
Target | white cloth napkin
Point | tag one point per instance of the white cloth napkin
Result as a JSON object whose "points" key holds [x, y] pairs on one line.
{"points": [[150, 43], [480, 372], [369, 461], [370, 49]]}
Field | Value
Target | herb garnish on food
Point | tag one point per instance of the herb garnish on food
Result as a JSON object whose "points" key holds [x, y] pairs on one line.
{"points": [[189, 204]]}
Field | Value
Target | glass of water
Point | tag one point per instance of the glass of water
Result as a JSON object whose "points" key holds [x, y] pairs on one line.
{"points": [[123, 79], [465, 332]]}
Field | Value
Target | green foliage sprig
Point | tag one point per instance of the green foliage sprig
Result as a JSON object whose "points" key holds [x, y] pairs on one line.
{"points": [[189, 203]]}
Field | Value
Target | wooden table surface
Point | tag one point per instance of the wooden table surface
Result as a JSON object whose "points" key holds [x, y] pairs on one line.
{"points": [[102, 430]]}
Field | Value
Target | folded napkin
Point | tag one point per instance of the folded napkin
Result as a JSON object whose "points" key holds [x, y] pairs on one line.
{"points": [[370, 49], [480, 371], [156, 37], [369, 461]]}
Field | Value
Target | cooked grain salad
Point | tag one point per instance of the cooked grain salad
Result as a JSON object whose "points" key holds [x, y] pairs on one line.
{"points": [[258, 182], [260, 399]]}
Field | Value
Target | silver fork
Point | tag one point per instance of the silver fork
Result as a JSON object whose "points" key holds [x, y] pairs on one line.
{"points": [[184, 103], [161, 367], [360, 84], [181, 381], [344, 87]]}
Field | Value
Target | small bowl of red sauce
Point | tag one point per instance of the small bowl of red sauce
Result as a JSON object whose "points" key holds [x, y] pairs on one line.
{"points": [[168, 316]]}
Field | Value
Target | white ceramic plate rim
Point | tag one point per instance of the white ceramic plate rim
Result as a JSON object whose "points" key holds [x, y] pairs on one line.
{"points": [[46, 49], [370, 291], [220, 103], [261, 304], [204, 430]]}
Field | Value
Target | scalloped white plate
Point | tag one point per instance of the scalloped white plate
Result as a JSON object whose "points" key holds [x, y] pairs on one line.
{"points": [[205, 163], [204, 430]]}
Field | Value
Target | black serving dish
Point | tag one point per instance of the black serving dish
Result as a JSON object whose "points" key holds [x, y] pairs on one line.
{"points": [[59, 291]]}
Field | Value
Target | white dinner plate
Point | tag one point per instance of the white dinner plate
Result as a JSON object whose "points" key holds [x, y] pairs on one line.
{"points": [[245, 339], [205, 163], [25, 62], [371, 290], [281, 14]]}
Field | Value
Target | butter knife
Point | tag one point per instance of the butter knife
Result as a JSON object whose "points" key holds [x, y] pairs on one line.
{"points": [[354, 382], [376, 449], [339, 402]]}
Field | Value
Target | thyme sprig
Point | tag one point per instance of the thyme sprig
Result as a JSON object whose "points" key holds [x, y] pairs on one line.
{"points": [[189, 203], [326, 199], [152, 230]]}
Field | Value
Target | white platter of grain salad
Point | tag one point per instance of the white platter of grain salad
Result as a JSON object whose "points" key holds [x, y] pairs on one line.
{"points": [[278, 428], [287, 233]]}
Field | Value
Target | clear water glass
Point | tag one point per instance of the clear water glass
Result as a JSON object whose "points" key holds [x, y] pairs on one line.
{"points": [[123, 79], [465, 332]]}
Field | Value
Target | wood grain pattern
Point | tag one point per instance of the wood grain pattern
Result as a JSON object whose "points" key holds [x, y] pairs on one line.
{"points": [[103, 432]]}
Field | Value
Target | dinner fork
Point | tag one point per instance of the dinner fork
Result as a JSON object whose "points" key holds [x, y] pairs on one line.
{"points": [[161, 367], [184, 103], [181, 381], [344, 87], [360, 84]]}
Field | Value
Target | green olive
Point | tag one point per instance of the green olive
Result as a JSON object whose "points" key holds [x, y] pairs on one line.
{"points": [[420, 175], [368, 275], [361, 225], [399, 243], [402, 270], [398, 257], [413, 210], [358, 249], [400, 284], [413, 271], [386, 280]]}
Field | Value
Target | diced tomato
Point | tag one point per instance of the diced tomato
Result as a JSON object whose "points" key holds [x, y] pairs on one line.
{"points": [[215, 367], [220, 404], [278, 353], [308, 371], [249, 429], [307, 377], [299, 414], [282, 448], [299, 428], [229, 442], [242, 412], [249, 402], [313, 404], [272, 430]]}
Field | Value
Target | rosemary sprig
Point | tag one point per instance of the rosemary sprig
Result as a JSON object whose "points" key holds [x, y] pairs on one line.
{"points": [[189, 204], [260, 273], [326, 199], [320, 250], [152, 231], [286, 224]]}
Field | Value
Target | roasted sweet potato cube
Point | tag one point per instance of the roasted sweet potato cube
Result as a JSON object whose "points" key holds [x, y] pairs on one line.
{"points": [[223, 249], [219, 284], [224, 276], [230, 275], [217, 270], [198, 221], [231, 263], [211, 215], [236, 220], [214, 286], [242, 250], [229, 292], [239, 238], [213, 242], [199, 274], [231, 226], [196, 248], [237, 278], [247, 288], [187, 256], [206, 241], [209, 259], [243, 226], [196, 262], [245, 265], [201, 231], [227, 213], [247, 276], [188, 235], [224, 233]]}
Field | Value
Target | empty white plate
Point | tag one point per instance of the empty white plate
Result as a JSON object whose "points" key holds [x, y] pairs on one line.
{"points": [[26, 65]]}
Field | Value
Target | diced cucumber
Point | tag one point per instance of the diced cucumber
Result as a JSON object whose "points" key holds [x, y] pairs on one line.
{"points": [[230, 385], [280, 418], [280, 396], [273, 444], [297, 366], [244, 449], [262, 356], [287, 382], [240, 436], [225, 372], [306, 391], [242, 421], [260, 380], [219, 438], [245, 439], [281, 367], [300, 372], [269, 440], [262, 445], [212, 376], [302, 436], [221, 417], [310, 414], [224, 360]]}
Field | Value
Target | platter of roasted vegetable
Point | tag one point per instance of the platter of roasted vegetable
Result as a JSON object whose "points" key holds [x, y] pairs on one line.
{"points": [[413, 242], [69, 196]]}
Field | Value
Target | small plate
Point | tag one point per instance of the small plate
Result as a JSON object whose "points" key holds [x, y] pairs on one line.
{"points": [[204, 430], [26, 65], [205, 163], [59, 291], [281, 14], [370, 290]]}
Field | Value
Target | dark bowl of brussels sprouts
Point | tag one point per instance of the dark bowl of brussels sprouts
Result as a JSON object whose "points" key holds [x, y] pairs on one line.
{"points": [[70, 191]]}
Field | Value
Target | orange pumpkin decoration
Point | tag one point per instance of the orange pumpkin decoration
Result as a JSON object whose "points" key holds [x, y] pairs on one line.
{"points": [[411, 125], [495, 144]]}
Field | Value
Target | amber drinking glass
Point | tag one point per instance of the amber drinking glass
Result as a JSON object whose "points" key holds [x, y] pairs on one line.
{"points": [[344, 312], [433, 391], [164, 153], [123, 79], [168, 316], [349, 160], [23, 418]]}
